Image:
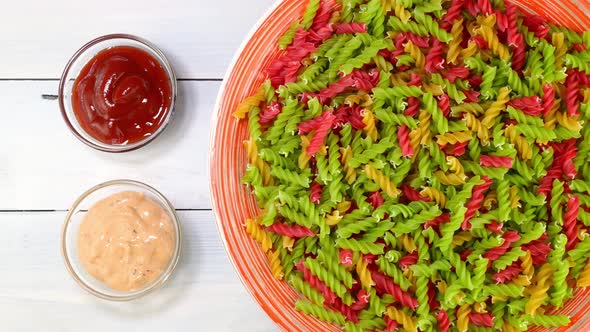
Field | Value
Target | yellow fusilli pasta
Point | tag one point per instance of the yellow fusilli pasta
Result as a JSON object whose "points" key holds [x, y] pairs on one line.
{"points": [[470, 50], [407, 242], [252, 101], [491, 37], [436, 195], [275, 264], [496, 108], [254, 159], [455, 166], [475, 126], [424, 126], [416, 53], [490, 200], [522, 145], [288, 242], [480, 307], [370, 128], [538, 290], [361, 98], [343, 207], [363, 273], [461, 238], [349, 172], [409, 324], [455, 45], [570, 122], [558, 40], [259, 234], [333, 218], [514, 197], [453, 138], [449, 179], [382, 180], [463, 318]]}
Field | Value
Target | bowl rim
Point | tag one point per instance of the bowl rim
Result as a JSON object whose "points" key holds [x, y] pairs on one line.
{"points": [[162, 59], [211, 155], [157, 283]]}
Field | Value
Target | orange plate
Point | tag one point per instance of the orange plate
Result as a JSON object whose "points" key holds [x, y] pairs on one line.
{"points": [[232, 202]]}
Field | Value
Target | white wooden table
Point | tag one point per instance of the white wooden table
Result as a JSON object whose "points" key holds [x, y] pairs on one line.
{"points": [[43, 167]]}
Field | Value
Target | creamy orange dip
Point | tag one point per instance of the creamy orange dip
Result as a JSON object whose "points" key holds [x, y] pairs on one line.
{"points": [[126, 240]]}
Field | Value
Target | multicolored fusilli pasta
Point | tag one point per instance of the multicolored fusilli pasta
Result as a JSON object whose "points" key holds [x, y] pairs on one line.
{"points": [[424, 165]]}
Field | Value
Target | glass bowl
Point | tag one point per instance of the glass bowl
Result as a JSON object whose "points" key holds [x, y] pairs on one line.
{"points": [[69, 236], [80, 59], [233, 202]]}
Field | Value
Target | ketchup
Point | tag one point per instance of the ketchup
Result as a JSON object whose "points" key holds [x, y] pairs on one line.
{"points": [[122, 95]]}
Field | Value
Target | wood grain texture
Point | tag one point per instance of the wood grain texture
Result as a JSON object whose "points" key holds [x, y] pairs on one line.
{"points": [[44, 167], [199, 36], [37, 293]]}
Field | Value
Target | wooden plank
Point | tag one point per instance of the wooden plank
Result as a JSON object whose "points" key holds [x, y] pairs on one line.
{"points": [[37, 293], [199, 36], [43, 165]]}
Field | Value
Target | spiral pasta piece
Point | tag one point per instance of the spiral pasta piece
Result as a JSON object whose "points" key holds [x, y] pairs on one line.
{"points": [[455, 49], [449, 179], [475, 126], [416, 54], [424, 127], [538, 291], [247, 104], [453, 137], [409, 324], [490, 36], [463, 318], [369, 121], [435, 195], [254, 159], [496, 108], [364, 274], [275, 264], [384, 183], [258, 234], [349, 171], [521, 144]]}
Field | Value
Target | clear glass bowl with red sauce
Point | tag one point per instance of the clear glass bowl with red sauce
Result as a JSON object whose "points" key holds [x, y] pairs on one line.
{"points": [[117, 93]]}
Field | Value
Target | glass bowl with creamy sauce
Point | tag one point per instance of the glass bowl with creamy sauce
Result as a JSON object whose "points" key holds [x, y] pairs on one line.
{"points": [[121, 240]]}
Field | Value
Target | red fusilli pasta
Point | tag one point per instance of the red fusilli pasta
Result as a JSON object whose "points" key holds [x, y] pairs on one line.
{"points": [[345, 257], [315, 192], [403, 137], [508, 273], [496, 161], [269, 113], [315, 282], [353, 27], [444, 323], [570, 221], [294, 231], [572, 93], [386, 285], [548, 99], [376, 199], [499, 251], [478, 319], [473, 205], [528, 105], [408, 260]]}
